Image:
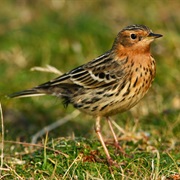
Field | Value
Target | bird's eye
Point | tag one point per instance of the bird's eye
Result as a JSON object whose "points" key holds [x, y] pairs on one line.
{"points": [[133, 36]]}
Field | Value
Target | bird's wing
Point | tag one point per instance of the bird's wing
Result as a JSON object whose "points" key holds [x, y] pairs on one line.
{"points": [[102, 71]]}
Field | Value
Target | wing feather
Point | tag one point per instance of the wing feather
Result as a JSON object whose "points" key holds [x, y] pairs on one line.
{"points": [[102, 71]]}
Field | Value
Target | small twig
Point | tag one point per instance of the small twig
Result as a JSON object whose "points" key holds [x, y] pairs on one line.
{"points": [[2, 140], [155, 169], [45, 151], [54, 125], [38, 145], [77, 159], [13, 171]]}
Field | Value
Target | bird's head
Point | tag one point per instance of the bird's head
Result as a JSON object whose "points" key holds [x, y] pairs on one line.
{"points": [[135, 37]]}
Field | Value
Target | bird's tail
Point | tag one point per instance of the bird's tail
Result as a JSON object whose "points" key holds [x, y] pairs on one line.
{"points": [[26, 93]]}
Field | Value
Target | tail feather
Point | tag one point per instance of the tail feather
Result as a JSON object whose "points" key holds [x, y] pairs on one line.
{"points": [[26, 93]]}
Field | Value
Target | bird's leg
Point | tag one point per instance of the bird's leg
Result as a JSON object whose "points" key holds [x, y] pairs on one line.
{"points": [[98, 132], [115, 137]]}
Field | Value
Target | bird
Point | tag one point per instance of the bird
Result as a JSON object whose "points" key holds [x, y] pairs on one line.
{"points": [[112, 83]]}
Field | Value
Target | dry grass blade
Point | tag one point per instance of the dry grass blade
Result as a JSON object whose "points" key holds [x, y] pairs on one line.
{"points": [[48, 68], [54, 125], [2, 139]]}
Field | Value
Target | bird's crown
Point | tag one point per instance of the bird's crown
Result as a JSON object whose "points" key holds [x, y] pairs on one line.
{"points": [[136, 27]]}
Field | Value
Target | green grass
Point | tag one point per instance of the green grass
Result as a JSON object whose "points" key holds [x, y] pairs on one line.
{"points": [[66, 34]]}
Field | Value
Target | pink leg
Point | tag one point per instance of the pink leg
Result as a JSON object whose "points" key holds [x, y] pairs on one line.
{"points": [[115, 137], [98, 132]]}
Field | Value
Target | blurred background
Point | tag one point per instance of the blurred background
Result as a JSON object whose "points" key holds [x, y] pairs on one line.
{"points": [[69, 33]]}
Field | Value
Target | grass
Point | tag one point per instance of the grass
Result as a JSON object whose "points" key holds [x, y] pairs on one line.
{"points": [[66, 34]]}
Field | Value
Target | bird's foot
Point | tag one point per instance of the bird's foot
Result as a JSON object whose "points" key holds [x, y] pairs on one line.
{"points": [[113, 163], [121, 150]]}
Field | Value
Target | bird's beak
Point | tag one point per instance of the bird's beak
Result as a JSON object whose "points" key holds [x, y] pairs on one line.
{"points": [[153, 35]]}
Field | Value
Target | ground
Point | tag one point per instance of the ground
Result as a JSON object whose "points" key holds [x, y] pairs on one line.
{"points": [[65, 34]]}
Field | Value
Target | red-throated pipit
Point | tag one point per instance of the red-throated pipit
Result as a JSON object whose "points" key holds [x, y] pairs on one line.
{"points": [[112, 83]]}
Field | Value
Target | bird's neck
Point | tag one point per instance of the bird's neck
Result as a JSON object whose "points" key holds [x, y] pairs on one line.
{"points": [[120, 50]]}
